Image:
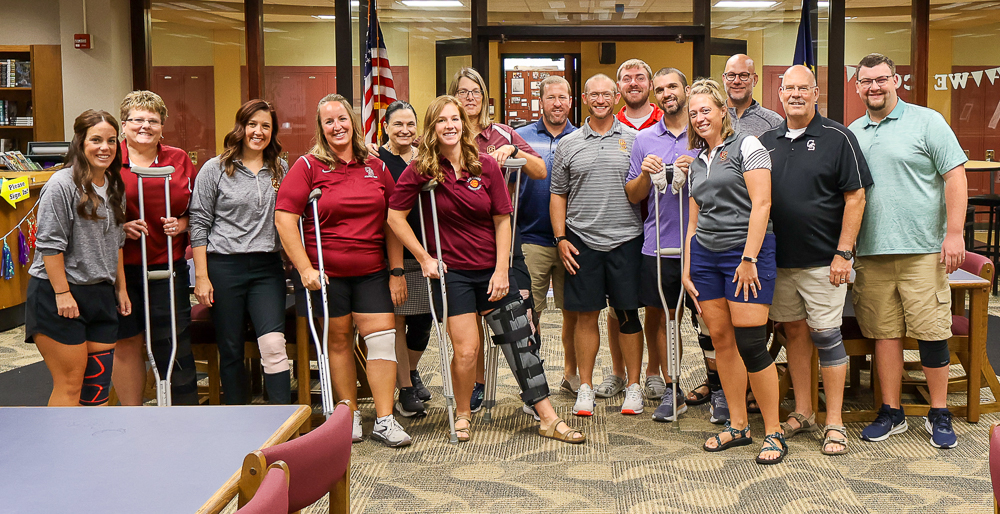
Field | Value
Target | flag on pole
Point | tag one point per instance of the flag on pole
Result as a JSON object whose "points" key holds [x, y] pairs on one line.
{"points": [[804, 53], [379, 89]]}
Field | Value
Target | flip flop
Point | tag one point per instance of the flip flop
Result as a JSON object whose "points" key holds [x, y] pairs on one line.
{"points": [[805, 424], [737, 438], [835, 440], [569, 436]]}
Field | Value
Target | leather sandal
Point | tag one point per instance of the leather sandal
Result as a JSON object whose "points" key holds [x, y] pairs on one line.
{"points": [[805, 424], [737, 438], [834, 439], [569, 436], [773, 443], [464, 434]]}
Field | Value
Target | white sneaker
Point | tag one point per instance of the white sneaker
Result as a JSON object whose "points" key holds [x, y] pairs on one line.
{"points": [[391, 433], [529, 410], [633, 400], [585, 403], [356, 433]]}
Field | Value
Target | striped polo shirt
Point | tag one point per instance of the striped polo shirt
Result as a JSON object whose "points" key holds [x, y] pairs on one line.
{"points": [[756, 120], [590, 169]]}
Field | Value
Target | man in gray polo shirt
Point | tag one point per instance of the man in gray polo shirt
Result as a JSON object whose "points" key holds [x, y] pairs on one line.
{"points": [[748, 115], [599, 237]]}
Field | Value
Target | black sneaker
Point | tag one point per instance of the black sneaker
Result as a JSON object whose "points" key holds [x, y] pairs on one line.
{"points": [[418, 386], [478, 394], [408, 404]]}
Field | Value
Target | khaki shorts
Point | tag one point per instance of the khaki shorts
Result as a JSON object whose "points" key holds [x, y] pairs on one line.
{"points": [[897, 295], [806, 293], [544, 265]]}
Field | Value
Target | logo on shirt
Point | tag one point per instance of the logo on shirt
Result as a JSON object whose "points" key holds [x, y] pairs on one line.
{"points": [[491, 149], [475, 184], [370, 173], [723, 156], [811, 145], [622, 145]]}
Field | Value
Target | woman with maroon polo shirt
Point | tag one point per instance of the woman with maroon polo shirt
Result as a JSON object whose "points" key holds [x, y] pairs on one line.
{"points": [[474, 216], [355, 194], [143, 114]]}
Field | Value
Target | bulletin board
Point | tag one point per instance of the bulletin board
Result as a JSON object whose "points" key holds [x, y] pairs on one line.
{"points": [[522, 99]]}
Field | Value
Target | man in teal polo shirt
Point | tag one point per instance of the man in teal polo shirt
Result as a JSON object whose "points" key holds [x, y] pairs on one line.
{"points": [[910, 239]]}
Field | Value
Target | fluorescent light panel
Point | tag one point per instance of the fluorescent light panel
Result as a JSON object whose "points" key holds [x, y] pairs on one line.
{"points": [[432, 3], [745, 4], [324, 17]]}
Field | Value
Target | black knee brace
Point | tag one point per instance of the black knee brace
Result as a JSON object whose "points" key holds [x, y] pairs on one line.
{"points": [[514, 334], [97, 378], [418, 331], [752, 345], [934, 354], [628, 321]]}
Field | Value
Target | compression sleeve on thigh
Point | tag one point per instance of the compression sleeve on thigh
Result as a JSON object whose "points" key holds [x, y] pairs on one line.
{"points": [[97, 378]]}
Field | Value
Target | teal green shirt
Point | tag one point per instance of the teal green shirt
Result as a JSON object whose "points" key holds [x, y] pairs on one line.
{"points": [[907, 153]]}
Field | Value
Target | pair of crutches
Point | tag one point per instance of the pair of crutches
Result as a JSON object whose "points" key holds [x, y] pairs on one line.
{"points": [[163, 393], [673, 325], [321, 342]]}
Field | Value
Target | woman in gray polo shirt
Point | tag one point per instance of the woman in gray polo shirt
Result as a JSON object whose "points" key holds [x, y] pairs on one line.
{"points": [[729, 268]]}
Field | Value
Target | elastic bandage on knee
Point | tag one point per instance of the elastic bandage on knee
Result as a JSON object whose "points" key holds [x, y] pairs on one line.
{"points": [[382, 345], [934, 354], [628, 321], [516, 337], [752, 345], [830, 346], [273, 357], [97, 378]]}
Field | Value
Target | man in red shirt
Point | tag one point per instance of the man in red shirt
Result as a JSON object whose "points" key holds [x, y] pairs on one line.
{"points": [[634, 82]]}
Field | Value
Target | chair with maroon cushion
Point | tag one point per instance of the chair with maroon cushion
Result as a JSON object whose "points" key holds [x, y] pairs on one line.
{"points": [[272, 495], [318, 463], [995, 464]]}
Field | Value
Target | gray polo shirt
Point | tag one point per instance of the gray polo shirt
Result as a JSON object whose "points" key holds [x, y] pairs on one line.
{"points": [[590, 169], [756, 120]]}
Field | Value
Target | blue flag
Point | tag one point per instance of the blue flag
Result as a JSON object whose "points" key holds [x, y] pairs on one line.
{"points": [[804, 53]]}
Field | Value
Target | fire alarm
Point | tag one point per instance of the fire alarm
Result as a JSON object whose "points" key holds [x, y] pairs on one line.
{"points": [[81, 41]]}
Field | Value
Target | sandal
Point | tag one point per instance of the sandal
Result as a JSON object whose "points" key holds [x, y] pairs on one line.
{"points": [[835, 439], [770, 446], [569, 436], [805, 424], [696, 397], [736, 438], [752, 406], [464, 434]]}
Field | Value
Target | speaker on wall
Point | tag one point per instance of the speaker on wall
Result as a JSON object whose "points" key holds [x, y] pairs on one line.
{"points": [[606, 53]]}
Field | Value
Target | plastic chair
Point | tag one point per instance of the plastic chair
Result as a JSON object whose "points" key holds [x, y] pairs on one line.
{"points": [[318, 463], [272, 495], [995, 464]]}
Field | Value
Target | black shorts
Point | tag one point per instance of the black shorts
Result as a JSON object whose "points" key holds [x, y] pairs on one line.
{"points": [[368, 294], [97, 322], [604, 278], [670, 269], [159, 305], [467, 292]]}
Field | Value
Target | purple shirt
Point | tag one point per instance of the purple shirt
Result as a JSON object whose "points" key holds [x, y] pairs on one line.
{"points": [[657, 140]]}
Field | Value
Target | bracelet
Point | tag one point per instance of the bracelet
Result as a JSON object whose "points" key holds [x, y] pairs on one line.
{"points": [[64, 292]]}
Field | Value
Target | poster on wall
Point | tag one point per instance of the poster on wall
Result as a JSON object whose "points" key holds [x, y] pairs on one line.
{"points": [[517, 86]]}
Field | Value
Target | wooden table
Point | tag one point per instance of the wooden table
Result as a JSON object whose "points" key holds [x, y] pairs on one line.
{"points": [[133, 459], [984, 166]]}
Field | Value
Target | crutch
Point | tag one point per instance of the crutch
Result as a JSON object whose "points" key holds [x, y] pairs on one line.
{"points": [[322, 353], [442, 327], [163, 393], [673, 324], [492, 351]]}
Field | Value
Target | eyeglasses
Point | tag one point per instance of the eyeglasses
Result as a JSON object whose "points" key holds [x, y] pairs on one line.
{"points": [[801, 89], [466, 93], [732, 76], [607, 95], [881, 81], [142, 121], [638, 79]]}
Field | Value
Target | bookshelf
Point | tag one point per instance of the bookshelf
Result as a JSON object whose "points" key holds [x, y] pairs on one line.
{"points": [[44, 95]]}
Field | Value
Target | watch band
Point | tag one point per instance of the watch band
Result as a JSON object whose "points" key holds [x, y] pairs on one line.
{"points": [[515, 152], [397, 272], [752, 260], [560, 239]]}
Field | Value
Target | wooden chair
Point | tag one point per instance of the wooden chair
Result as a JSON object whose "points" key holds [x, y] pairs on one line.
{"points": [[318, 462], [272, 495]]}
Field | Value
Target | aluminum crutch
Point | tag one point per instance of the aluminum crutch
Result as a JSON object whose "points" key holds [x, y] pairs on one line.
{"points": [[672, 324], [492, 351], [322, 351], [163, 393], [441, 324]]}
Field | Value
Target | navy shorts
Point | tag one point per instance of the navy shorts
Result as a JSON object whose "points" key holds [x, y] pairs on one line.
{"points": [[467, 292], [712, 272], [97, 322]]}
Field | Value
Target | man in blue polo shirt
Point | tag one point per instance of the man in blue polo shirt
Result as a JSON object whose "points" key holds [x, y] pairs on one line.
{"points": [[537, 240]]}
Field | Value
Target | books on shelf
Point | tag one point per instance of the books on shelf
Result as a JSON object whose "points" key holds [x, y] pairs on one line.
{"points": [[8, 112], [16, 161], [14, 73]]}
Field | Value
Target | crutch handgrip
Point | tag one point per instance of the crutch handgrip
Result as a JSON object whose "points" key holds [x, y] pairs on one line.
{"points": [[514, 163], [669, 252], [162, 274], [314, 195], [159, 172]]}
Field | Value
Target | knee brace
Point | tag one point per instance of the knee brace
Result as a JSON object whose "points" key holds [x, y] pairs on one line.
{"points": [[97, 378], [752, 345], [934, 354], [382, 345], [273, 357], [514, 334], [704, 339], [418, 331], [830, 346], [628, 321]]}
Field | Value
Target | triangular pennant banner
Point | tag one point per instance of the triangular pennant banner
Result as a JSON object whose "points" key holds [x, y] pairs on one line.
{"points": [[977, 76], [851, 70], [992, 74]]}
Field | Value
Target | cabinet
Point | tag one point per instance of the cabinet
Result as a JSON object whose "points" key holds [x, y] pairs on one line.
{"points": [[44, 96]]}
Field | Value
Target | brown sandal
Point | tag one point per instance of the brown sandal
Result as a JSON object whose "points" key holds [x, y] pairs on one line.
{"points": [[569, 436], [464, 434]]}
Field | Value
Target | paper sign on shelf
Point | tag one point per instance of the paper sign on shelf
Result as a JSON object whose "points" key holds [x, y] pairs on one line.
{"points": [[14, 190]]}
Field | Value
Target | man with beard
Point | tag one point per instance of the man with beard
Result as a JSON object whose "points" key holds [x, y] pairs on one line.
{"points": [[634, 77], [537, 240], [748, 116], [599, 237], [818, 181], [910, 239]]}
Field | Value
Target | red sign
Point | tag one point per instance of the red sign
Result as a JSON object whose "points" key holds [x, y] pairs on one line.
{"points": [[81, 41]]}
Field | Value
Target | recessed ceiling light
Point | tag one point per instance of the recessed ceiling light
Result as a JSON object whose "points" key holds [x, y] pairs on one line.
{"points": [[324, 17], [745, 4], [432, 3]]}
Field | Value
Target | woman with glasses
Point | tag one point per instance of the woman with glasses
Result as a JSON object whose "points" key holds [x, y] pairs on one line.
{"points": [[143, 115]]}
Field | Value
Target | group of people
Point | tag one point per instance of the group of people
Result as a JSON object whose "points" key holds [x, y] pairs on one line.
{"points": [[774, 212]]}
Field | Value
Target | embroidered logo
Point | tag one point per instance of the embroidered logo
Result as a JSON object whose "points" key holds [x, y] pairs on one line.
{"points": [[622, 145], [723, 156], [491, 149], [475, 184], [370, 173], [811, 145]]}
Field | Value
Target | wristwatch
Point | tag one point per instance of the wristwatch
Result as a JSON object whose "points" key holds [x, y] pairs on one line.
{"points": [[396, 272], [560, 239], [752, 260], [846, 254], [514, 153]]}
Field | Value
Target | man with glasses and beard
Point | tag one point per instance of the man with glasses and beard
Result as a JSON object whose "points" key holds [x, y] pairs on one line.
{"points": [[748, 116]]}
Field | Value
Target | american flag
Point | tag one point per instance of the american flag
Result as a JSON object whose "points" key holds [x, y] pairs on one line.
{"points": [[379, 89]]}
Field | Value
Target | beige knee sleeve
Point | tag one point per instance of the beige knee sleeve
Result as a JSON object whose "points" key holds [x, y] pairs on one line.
{"points": [[273, 357], [382, 345]]}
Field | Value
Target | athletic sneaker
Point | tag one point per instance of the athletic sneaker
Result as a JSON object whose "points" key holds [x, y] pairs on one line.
{"points": [[356, 433], [633, 400], [665, 412], [529, 410], [888, 422], [571, 384], [478, 394], [408, 404], [418, 385], [655, 386], [390, 433], [612, 385], [938, 425], [585, 404], [718, 407]]}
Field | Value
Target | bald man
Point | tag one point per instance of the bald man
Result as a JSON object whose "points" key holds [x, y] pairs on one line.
{"points": [[748, 116], [818, 176]]}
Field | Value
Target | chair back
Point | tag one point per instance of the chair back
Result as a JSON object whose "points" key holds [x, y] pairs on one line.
{"points": [[272, 495], [995, 460], [978, 265]]}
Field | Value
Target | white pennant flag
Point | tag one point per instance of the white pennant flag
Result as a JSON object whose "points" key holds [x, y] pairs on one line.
{"points": [[851, 70], [992, 74], [977, 76]]}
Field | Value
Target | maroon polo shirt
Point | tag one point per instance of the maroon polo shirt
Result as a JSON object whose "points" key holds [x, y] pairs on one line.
{"points": [[465, 206], [497, 135], [653, 118], [181, 184], [352, 211]]}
